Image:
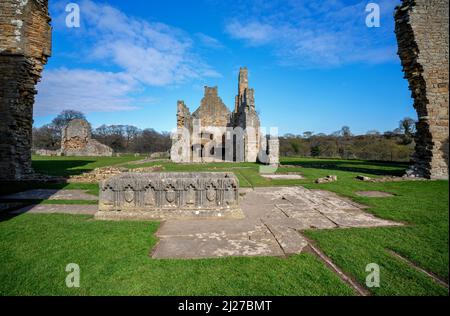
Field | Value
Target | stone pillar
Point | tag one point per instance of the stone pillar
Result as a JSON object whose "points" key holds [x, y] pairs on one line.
{"points": [[422, 34], [25, 45]]}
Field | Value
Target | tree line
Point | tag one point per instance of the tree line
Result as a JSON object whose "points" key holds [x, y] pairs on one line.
{"points": [[121, 138], [396, 145]]}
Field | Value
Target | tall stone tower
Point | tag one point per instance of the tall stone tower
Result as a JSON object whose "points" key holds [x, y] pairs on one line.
{"points": [[246, 117], [25, 45], [422, 35]]}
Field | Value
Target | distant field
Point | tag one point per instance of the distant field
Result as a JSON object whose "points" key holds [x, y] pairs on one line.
{"points": [[114, 256]]}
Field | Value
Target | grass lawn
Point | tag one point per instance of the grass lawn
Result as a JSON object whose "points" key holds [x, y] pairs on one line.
{"points": [[114, 256], [64, 166]]}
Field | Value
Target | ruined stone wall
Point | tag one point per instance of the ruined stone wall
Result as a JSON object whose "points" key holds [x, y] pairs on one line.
{"points": [[25, 45], [423, 46], [214, 113], [212, 110], [183, 116], [76, 141], [246, 117]]}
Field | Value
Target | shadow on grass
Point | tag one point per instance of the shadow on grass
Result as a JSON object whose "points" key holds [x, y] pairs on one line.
{"points": [[379, 168], [63, 168], [11, 187]]}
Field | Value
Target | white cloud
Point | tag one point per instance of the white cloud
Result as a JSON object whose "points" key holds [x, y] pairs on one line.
{"points": [[84, 90], [136, 52], [209, 41], [255, 33], [155, 54]]}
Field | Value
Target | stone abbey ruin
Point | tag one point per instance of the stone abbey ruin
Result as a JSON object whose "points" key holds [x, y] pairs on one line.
{"points": [[77, 141], [213, 133], [422, 34]]}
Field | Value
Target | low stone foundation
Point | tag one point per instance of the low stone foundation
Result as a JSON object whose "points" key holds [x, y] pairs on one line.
{"points": [[169, 195]]}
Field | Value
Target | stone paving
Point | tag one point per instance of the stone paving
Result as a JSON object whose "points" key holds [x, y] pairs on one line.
{"points": [[51, 194], [282, 176], [374, 193], [274, 218], [57, 208]]}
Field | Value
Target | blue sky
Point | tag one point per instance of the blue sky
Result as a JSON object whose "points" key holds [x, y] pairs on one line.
{"points": [[315, 65]]}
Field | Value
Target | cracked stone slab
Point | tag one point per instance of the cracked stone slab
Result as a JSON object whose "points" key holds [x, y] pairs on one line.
{"points": [[256, 242], [51, 194], [173, 228], [57, 208], [359, 219], [290, 241], [274, 219]]}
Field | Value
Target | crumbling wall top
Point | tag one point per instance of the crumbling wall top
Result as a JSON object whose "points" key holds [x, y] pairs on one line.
{"points": [[25, 28]]}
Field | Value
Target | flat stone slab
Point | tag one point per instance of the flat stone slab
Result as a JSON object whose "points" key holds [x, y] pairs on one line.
{"points": [[51, 194], [256, 241], [374, 194], [282, 176], [57, 208], [274, 219]]}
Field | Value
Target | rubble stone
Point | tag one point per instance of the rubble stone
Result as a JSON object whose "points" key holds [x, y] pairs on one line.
{"points": [[329, 178]]}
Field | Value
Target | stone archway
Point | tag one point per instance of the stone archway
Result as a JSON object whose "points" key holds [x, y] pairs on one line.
{"points": [[421, 27], [25, 45]]}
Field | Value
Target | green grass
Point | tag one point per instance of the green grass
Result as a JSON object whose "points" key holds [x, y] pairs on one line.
{"points": [[423, 207], [114, 256], [65, 166], [114, 260]]}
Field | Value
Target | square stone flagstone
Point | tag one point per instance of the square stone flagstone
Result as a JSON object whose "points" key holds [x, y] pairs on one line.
{"points": [[274, 219]]}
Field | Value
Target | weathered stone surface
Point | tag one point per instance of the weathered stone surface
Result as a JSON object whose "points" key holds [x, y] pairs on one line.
{"points": [[363, 178], [374, 193], [77, 141], [160, 155], [51, 194], [274, 216], [423, 46], [289, 176], [97, 175], [47, 152], [25, 45], [57, 209], [169, 195], [212, 126], [329, 178]]}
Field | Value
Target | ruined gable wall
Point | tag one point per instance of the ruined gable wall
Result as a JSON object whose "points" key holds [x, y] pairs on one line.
{"points": [[183, 116], [422, 35], [76, 141], [212, 110], [25, 45]]}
